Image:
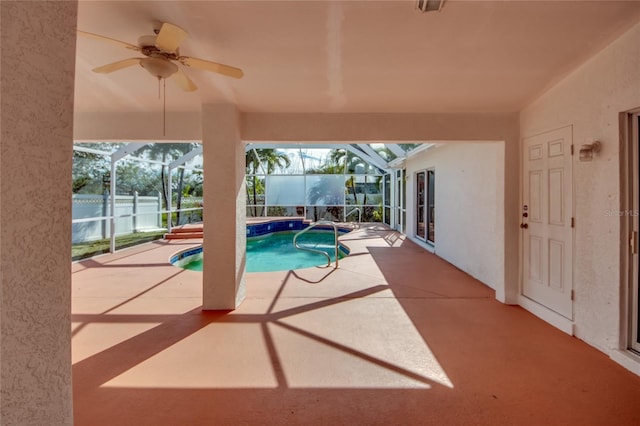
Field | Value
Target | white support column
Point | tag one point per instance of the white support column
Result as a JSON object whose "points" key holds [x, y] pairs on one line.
{"points": [[36, 142], [224, 208], [112, 204], [169, 200]]}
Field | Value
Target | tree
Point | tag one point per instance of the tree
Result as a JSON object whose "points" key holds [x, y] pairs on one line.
{"points": [[193, 183], [166, 152], [134, 176], [268, 160], [88, 172], [340, 161]]}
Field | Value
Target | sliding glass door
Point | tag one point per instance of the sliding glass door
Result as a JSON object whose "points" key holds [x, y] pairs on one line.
{"points": [[431, 206], [426, 205], [421, 205]]}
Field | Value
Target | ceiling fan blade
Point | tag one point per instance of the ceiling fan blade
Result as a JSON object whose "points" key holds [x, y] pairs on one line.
{"points": [[109, 40], [170, 37], [211, 66], [184, 81], [115, 66]]}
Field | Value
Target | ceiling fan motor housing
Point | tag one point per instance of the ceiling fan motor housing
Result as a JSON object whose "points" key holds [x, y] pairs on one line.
{"points": [[147, 40]]}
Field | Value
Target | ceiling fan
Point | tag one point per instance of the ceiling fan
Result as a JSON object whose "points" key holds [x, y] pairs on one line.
{"points": [[161, 52]]}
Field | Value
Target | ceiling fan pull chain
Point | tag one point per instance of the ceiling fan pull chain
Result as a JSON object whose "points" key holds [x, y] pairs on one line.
{"points": [[164, 107]]}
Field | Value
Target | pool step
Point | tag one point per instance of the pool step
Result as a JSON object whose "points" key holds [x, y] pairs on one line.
{"points": [[185, 232], [182, 235]]}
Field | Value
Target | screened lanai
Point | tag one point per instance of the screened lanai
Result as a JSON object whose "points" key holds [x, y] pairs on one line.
{"points": [[338, 182], [128, 192]]}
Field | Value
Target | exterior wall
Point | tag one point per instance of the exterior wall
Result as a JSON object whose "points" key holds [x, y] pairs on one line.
{"points": [[590, 99], [35, 245], [469, 204]]}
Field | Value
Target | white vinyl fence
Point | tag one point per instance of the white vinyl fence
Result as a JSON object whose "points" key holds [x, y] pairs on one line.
{"points": [[147, 211]]}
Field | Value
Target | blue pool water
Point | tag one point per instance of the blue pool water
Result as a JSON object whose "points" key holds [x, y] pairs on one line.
{"points": [[275, 252]]}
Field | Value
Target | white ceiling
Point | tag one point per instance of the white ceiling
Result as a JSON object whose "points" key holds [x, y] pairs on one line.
{"points": [[349, 56]]}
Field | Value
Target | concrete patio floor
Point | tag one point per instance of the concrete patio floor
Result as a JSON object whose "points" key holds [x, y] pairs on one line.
{"points": [[395, 336]]}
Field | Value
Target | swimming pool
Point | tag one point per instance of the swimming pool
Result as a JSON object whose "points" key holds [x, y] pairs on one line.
{"points": [[274, 251]]}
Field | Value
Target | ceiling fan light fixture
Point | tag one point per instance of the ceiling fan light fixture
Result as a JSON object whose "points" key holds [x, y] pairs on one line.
{"points": [[159, 68]]}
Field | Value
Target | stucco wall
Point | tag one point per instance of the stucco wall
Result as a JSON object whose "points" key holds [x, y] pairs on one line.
{"points": [[469, 204], [38, 58], [591, 99]]}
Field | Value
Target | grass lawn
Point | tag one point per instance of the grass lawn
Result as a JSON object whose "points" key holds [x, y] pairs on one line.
{"points": [[92, 248]]}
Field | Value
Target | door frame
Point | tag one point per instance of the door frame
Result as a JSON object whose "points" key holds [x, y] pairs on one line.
{"points": [[416, 205], [629, 327], [399, 199], [546, 314]]}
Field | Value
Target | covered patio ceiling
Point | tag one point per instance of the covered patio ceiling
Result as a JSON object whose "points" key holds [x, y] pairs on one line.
{"points": [[349, 56]]}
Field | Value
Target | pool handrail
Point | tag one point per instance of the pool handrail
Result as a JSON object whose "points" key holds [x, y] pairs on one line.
{"points": [[356, 209], [313, 225]]}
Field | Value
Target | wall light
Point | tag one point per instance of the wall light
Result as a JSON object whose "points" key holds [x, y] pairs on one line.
{"points": [[587, 150]]}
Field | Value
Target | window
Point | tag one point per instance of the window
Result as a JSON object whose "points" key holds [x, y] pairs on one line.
{"points": [[425, 206]]}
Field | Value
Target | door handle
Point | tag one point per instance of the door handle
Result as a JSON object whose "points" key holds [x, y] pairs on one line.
{"points": [[524, 225]]}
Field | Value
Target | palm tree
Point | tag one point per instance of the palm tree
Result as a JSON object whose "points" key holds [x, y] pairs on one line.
{"points": [[353, 161], [323, 192], [165, 152], [342, 161], [268, 160], [338, 160]]}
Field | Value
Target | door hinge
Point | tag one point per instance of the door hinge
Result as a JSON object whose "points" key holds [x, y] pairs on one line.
{"points": [[571, 149], [573, 222], [573, 295], [633, 242]]}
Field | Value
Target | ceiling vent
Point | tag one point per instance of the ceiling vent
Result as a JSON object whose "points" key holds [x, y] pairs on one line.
{"points": [[429, 5]]}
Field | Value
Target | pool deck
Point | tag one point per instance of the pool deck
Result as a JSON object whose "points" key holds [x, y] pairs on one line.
{"points": [[395, 336]]}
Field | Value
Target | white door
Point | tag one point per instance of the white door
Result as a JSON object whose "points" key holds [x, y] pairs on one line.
{"points": [[547, 220]]}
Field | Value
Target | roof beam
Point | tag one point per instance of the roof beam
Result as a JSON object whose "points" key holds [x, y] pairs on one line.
{"points": [[188, 156], [366, 157], [126, 150], [374, 158], [393, 147], [279, 145], [90, 150]]}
